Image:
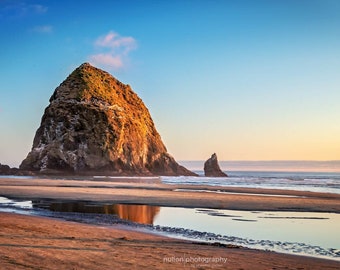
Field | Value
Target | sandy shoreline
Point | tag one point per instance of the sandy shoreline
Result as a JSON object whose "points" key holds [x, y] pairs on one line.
{"points": [[171, 195], [28, 242]]}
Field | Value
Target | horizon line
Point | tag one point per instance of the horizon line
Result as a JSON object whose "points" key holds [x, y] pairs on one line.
{"points": [[267, 160]]}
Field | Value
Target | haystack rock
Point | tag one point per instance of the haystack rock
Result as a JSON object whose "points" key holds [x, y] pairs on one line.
{"points": [[95, 124], [212, 169]]}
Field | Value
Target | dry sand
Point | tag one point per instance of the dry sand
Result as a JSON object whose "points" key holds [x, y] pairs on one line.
{"points": [[28, 242]]}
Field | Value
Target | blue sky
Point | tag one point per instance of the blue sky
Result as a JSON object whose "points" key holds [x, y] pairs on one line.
{"points": [[249, 80]]}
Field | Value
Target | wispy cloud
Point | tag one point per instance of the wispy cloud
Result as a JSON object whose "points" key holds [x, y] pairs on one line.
{"points": [[115, 41], [112, 50], [39, 9], [43, 29], [21, 9], [107, 59]]}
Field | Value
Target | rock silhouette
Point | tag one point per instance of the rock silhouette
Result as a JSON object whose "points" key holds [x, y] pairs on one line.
{"points": [[212, 169], [95, 124], [7, 170]]}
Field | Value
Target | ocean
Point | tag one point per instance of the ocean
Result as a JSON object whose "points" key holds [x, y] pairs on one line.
{"points": [[317, 176], [271, 165]]}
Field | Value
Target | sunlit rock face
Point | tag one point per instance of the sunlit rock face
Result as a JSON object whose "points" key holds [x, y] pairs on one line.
{"points": [[212, 168], [95, 124]]}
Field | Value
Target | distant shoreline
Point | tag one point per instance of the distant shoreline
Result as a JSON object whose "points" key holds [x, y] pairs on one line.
{"points": [[322, 166], [326, 166]]}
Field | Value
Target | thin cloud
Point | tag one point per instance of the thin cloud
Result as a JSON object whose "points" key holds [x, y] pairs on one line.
{"points": [[21, 9], [39, 9], [107, 59], [43, 29], [112, 50], [115, 41]]}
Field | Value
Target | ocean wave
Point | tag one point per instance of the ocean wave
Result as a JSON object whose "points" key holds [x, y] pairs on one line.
{"points": [[325, 182]]}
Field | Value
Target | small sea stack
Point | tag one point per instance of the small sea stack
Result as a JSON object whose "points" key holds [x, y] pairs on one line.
{"points": [[7, 170], [95, 124], [212, 168]]}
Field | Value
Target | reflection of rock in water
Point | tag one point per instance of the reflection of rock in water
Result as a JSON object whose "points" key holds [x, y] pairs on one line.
{"points": [[144, 214], [138, 213]]}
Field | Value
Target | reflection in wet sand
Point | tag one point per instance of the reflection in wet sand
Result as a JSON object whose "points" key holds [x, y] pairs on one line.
{"points": [[144, 214], [137, 213]]}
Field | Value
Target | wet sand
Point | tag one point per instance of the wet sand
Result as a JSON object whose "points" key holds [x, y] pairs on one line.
{"points": [[159, 194], [28, 242]]}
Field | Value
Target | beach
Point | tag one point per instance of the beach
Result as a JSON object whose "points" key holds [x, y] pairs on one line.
{"points": [[43, 243], [30, 242], [138, 191]]}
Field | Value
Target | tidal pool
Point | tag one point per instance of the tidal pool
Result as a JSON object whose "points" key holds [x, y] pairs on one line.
{"points": [[307, 233]]}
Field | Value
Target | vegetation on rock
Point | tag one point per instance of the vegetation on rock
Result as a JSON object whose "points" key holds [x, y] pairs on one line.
{"points": [[95, 123]]}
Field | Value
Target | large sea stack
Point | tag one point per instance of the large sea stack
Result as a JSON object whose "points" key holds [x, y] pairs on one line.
{"points": [[95, 124]]}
